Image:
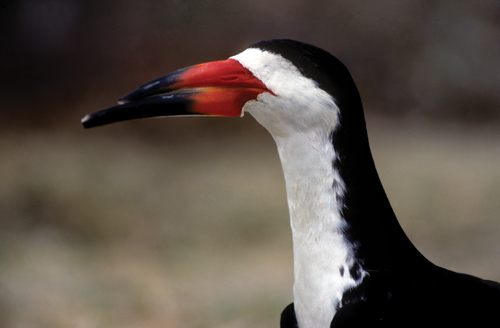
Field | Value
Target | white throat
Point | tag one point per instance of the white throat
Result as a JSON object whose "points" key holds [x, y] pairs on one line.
{"points": [[323, 257], [301, 116]]}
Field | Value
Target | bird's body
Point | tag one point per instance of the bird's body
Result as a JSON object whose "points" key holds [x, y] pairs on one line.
{"points": [[353, 264]]}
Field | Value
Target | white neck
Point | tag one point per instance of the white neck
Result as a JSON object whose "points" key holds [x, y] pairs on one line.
{"points": [[300, 116], [322, 254]]}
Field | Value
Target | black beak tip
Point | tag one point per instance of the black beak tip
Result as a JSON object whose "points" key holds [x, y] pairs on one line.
{"points": [[87, 121], [129, 97], [179, 104]]}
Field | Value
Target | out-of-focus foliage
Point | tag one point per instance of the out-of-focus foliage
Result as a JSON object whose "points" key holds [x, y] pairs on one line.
{"points": [[422, 58]]}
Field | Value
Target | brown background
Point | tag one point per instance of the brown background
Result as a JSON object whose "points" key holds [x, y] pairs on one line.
{"points": [[183, 222]]}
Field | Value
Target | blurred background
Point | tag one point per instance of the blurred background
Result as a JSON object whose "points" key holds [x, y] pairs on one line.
{"points": [[184, 222]]}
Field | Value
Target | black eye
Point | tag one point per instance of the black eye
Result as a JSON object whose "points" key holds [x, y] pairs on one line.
{"points": [[306, 63]]}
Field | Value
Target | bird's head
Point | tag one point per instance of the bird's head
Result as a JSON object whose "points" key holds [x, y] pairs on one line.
{"points": [[288, 86]]}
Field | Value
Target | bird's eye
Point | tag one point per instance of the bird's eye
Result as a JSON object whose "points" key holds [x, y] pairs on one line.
{"points": [[307, 63]]}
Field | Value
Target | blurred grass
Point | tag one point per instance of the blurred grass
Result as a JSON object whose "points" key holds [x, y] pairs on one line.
{"points": [[104, 228]]}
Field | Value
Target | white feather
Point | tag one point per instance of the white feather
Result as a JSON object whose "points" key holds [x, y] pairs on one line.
{"points": [[301, 116]]}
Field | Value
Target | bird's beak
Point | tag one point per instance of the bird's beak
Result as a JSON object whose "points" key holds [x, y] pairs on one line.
{"points": [[219, 88]]}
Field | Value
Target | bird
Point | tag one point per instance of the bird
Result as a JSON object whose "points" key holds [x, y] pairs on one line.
{"points": [[354, 266]]}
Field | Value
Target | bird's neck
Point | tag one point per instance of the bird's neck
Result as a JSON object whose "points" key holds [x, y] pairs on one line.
{"points": [[323, 256], [330, 225]]}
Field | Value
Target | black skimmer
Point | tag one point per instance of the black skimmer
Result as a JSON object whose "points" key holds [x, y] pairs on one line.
{"points": [[353, 264]]}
